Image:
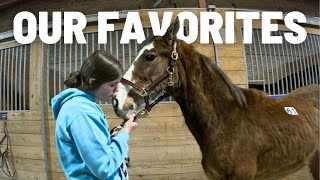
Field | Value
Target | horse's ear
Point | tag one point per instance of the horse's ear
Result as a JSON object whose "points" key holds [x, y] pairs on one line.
{"points": [[171, 34]]}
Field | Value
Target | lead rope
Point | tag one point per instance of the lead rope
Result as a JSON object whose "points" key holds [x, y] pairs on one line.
{"points": [[6, 161], [126, 163]]}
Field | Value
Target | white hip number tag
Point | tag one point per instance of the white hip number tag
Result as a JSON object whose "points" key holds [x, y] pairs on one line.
{"points": [[291, 111]]}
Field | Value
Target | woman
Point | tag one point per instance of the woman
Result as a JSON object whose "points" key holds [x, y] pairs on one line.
{"points": [[85, 148]]}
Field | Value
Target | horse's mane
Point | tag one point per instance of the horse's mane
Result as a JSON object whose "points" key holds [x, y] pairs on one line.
{"points": [[234, 90]]}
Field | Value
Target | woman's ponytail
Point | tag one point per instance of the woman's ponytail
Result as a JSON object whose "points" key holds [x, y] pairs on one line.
{"points": [[74, 80]]}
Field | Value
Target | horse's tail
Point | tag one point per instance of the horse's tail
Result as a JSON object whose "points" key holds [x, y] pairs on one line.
{"points": [[314, 165]]}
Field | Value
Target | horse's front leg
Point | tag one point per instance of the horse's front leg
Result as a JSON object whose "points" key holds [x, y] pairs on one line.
{"points": [[244, 171], [210, 172]]}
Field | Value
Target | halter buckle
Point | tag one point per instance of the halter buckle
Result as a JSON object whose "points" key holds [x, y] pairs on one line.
{"points": [[143, 92], [174, 55], [170, 78], [142, 114]]}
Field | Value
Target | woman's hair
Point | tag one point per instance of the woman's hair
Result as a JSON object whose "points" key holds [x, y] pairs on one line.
{"points": [[101, 66]]}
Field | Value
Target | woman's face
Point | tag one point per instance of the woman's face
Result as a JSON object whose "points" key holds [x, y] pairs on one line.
{"points": [[106, 90]]}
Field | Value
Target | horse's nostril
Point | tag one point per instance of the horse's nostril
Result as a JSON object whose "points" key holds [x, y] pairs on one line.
{"points": [[131, 107]]}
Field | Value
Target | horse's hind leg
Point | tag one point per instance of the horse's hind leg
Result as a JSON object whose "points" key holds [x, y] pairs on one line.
{"points": [[314, 165]]}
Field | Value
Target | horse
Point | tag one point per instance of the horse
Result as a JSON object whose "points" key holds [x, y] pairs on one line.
{"points": [[242, 133]]}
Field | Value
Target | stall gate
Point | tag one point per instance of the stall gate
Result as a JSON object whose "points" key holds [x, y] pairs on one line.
{"points": [[279, 69], [14, 78]]}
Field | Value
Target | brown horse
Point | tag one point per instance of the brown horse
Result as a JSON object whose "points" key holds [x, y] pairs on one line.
{"points": [[242, 133]]}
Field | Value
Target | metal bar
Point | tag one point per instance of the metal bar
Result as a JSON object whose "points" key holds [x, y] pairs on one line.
{"points": [[65, 63], [308, 68], [92, 43], [315, 55], [147, 32], [280, 67], [1, 78], [262, 59], [4, 79], [117, 45], [251, 62], [304, 64], [267, 66], [8, 85], [287, 61], [81, 55], [70, 60], [136, 48], [256, 56], [123, 56], [12, 80], [110, 42], [24, 75], [20, 76], [311, 59], [16, 82], [59, 67], [87, 45], [76, 56], [277, 69], [301, 68], [293, 68], [130, 58], [318, 39], [105, 45], [54, 68], [297, 65], [272, 74], [48, 74], [284, 63], [98, 45], [42, 106]]}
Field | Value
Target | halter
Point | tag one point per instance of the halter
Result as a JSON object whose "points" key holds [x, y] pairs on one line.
{"points": [[145, 91]]}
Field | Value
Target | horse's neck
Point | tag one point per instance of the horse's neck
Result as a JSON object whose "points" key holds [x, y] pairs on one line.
{"points": [[203, 96]]}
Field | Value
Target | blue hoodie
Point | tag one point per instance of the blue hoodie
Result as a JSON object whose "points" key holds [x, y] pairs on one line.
{"points": [[83, 141]]}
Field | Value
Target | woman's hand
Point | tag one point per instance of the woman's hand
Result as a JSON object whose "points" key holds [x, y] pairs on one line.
{"points": [[131, 123]]}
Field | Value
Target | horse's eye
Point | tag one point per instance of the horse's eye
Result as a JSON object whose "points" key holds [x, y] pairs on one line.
{"points": [[150, 57]]}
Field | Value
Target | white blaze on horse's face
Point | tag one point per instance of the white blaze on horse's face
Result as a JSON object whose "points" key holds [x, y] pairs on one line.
{"points": [[124, 101]]}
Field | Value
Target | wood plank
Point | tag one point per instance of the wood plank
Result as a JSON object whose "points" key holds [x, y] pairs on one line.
{"points": [[35, 75], [16, 127], [237, 77], [27, 152], [235, 65], [205, 49], [26, 175], [171, 176], [34, 115], [57, 175], [31, 140], [29, 164], [165, 169]]}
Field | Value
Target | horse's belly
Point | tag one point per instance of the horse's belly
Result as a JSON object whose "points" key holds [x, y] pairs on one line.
{"points": [[281, 163]]}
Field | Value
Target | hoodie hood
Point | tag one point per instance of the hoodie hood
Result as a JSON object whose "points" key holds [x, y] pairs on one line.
{"points": [[66, 95]]}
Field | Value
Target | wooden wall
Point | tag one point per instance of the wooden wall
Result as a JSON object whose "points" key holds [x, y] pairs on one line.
{"points": [[160, 148]]}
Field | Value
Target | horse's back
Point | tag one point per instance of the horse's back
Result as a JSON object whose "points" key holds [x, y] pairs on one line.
{"points": [[307, 97]]}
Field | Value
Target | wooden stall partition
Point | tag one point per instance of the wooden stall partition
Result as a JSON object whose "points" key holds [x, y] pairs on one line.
{"points": [[25, 129]]}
